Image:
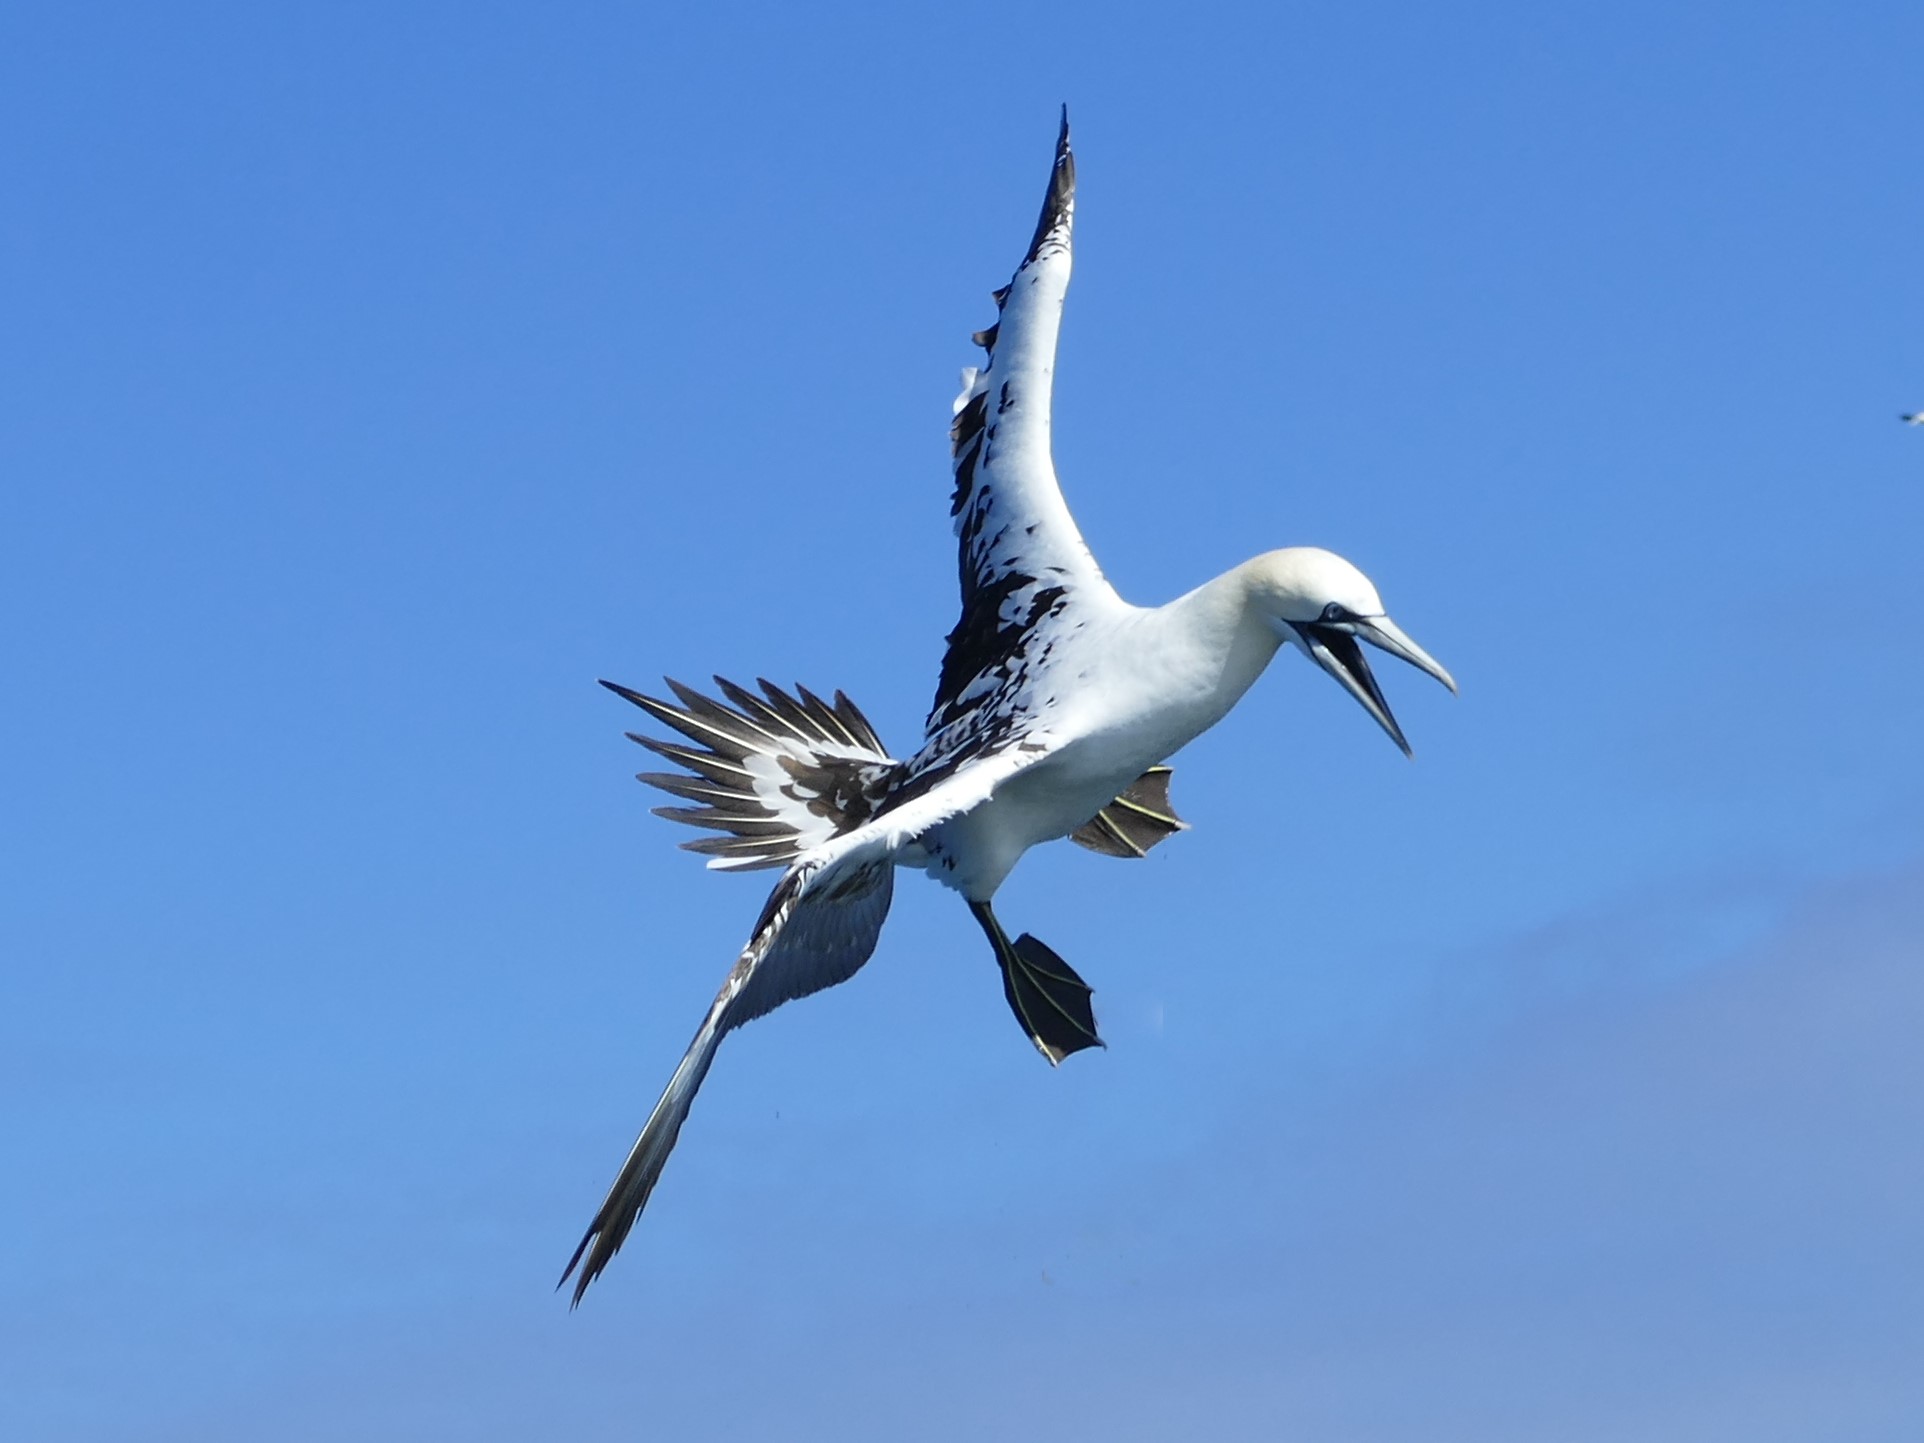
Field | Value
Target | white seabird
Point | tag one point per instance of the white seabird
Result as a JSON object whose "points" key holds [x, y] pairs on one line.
{"points": [[1915, 418], [1057, 706]]}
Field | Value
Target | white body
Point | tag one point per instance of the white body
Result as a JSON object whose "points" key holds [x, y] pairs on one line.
{"points": [[1137, 685], [1055, 697]]}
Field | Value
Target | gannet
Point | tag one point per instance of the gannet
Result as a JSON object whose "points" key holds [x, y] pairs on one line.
{"points": [[1057, 708]]}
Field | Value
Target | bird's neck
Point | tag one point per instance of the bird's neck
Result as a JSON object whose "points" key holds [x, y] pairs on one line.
{"points": [[1202, 651], [1228, 626]]}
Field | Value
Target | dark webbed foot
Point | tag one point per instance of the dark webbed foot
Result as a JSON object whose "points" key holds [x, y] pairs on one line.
{"points": [[1051, 1001], [1048, 998], [1135, 821]]}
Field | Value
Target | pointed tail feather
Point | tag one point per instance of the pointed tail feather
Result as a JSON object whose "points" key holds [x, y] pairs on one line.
{"points": [[779, 773]]}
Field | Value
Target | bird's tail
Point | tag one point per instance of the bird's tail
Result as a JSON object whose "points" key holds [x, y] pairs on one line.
{"points": [[775, 774]]}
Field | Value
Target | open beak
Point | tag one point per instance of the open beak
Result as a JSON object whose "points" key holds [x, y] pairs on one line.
{"points": [[1334, 648]]}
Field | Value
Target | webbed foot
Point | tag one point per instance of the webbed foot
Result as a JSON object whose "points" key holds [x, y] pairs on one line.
{"points": [[1048, 998]]}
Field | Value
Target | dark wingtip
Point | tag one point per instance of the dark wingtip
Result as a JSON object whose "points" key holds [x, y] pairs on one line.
{"points": [[581, 1285], [1060, 200]]}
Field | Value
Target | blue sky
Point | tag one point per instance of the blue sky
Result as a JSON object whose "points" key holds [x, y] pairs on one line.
{"points": [[378, 377]]}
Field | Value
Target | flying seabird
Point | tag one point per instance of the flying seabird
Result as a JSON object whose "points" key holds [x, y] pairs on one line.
{"points": [[1915, 418], [1057, 706]]}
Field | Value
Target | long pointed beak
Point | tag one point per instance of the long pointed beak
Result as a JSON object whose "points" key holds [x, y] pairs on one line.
{"points": [[1335, 649], [1380, 631]]}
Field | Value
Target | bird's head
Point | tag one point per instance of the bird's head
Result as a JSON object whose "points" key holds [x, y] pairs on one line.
{"points": [[1316, 600]]}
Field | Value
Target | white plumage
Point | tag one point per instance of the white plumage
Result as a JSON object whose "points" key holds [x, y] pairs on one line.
{"points": [[1057, 705]]}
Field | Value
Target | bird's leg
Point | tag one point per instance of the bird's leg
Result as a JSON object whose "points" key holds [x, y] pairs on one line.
{"points": [[1047, 997]]}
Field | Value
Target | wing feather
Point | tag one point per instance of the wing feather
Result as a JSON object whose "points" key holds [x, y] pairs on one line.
{"points": [[1024, 568], [819, 926]]}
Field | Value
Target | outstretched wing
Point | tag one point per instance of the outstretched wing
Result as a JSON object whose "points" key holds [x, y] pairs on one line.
{"points": [[1025, 569], [817, 928]]}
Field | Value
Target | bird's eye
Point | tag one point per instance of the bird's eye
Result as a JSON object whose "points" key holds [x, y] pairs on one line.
{"points": [[1335, 611]]}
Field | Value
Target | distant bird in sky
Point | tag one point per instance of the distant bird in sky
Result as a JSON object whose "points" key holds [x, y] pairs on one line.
{"points": [[1915, 418], [1057, 706]]}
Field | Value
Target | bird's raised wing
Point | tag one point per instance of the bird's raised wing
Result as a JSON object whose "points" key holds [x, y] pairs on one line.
{"points": [[1024, 565], [817, 928]]}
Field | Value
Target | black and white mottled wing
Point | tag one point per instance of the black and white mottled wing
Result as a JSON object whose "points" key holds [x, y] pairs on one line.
{"points": [[818, 927], [1026, 572]]}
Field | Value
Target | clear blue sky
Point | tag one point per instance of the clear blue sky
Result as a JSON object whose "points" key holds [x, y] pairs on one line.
{"points": [[378, 376]]}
